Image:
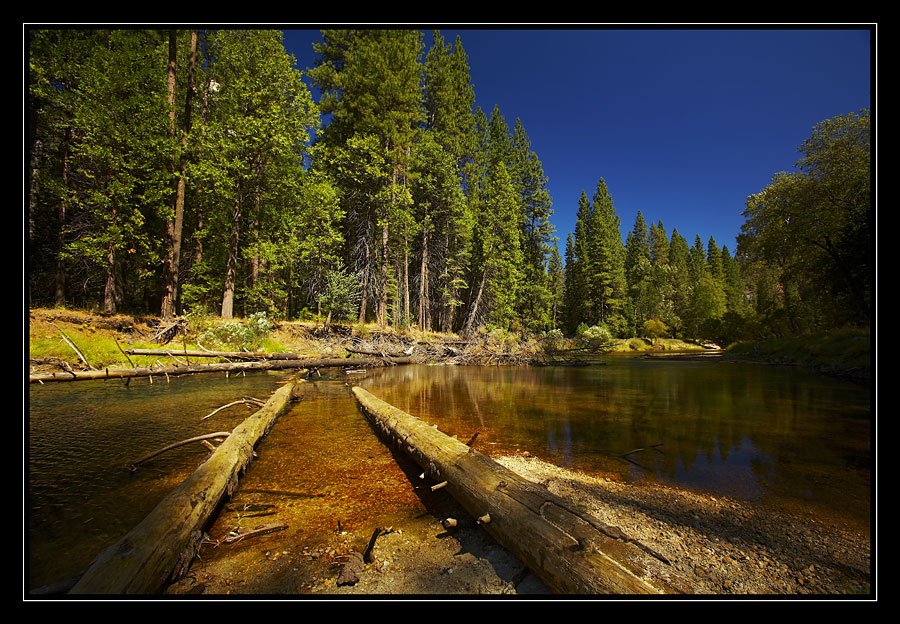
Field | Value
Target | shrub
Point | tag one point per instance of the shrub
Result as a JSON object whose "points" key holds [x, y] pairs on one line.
{"points": [[654, 328], [238, 335], [595, 337]]}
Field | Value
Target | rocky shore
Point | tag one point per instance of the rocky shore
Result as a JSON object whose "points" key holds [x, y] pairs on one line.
{"points": [[720, 547]]}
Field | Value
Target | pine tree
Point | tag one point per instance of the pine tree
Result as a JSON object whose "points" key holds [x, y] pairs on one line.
{"points": [[679, 282], [500, 253], [536, 231], [372, 86], [443, 153], [571, 301], [255, 137], [578, 305], [556, 280], [175, 222], [639, 271], [606, 271]]}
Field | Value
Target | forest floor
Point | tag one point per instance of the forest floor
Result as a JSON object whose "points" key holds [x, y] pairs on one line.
{"points": [[719, 546]]}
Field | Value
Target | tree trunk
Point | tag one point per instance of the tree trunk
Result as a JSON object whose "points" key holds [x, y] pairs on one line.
{"points": [[111, 286], [60, 293], [474, 311], [160, 549], [571, 551], [267, 364], [365, 285], [406, 311], [382, 287], [231, 269], [174, 228], [424, 321]]}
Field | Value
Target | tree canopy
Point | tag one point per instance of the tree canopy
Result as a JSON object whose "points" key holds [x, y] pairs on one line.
{"points": [[175, 171]]}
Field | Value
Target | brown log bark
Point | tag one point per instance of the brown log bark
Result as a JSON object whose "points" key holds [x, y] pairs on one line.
{"points": [[123, 373], [160, 548], [571, 551]]}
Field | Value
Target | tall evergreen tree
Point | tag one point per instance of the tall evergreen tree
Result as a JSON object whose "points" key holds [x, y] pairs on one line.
{"points": [[556, 279], [255, 139], [499, 253], [372, 86], [443, 153], [175, 220], [679, 280], [639, 271], [579, 307], [107, 89], [535, 300], [606, 270]]}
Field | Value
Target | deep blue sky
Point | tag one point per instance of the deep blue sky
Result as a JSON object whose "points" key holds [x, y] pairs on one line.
{"points": [[681, 124]]}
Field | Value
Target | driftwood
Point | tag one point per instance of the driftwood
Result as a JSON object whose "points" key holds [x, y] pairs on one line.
{"points": [[160, 549], [232, 355], [165, 334], [122, 373], [239, 535], [378, 353], [571, 551], [73, 346], [201, 438], [244, 401]]}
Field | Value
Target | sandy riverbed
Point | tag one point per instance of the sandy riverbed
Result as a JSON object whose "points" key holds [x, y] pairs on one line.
{"points": [[721, 547]]}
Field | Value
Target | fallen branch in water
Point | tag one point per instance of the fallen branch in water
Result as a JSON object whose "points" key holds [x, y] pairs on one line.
{"points": [[378, 532], [208, 436], [161, 547], [245, 401]]}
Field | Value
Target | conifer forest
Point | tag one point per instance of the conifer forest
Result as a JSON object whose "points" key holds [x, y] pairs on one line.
{"points": [[171, 172]]}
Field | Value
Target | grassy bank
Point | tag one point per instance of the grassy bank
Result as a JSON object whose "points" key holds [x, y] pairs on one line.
{"points": [[843, 352], [102, 339]]}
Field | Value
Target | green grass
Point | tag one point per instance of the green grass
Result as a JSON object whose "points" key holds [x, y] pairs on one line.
{"points": [[99, 349]]}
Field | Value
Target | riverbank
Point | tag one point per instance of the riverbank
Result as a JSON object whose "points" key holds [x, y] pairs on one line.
{"points": [[843, 353], [62, 339], [720, 547]]}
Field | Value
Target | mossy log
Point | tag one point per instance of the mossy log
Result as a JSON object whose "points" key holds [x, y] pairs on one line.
{"points": [[160, 549], [571, 551], [149, 371]]}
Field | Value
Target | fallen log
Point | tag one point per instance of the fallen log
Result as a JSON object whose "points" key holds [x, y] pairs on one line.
{"points": [[571, 551], [120, 373], [232, 355], [160, 549]]}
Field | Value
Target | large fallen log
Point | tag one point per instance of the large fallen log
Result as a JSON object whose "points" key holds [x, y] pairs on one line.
{"points": [[118, 373], [159, 550], [233, 355], [571, 551]]}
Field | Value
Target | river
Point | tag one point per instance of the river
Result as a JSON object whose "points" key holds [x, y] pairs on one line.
{"points": [[771, 435]]}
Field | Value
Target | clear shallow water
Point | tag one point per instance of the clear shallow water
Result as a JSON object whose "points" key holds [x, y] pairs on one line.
{"points": [[80, 435], [771, 435]]}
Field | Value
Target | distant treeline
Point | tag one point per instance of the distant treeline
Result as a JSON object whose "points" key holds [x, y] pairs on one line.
{"points": [[185, 171]]}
